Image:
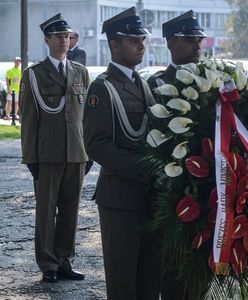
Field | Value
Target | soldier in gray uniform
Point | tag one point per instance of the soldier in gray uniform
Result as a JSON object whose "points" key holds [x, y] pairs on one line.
{"points": [[51, 106], [183, 35], [115, 117]]}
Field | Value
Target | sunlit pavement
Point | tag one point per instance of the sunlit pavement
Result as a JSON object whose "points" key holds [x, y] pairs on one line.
{"points": [[19, 274]]}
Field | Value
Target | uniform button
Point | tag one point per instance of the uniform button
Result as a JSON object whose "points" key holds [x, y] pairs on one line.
{"points": [[67, 91], [68, 121]]}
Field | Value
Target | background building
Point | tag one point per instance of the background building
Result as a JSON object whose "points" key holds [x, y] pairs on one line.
{"points": [[87, 17]]}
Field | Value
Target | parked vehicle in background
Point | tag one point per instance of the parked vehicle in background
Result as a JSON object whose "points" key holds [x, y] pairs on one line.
{"points": [[94, 71], [147, 72]]}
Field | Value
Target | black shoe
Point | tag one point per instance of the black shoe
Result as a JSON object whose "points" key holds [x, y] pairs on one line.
{"points": [[50, 276], [70, 274]]}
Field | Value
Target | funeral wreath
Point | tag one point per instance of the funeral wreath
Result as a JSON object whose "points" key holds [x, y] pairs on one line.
{"points": [[197, 151]]}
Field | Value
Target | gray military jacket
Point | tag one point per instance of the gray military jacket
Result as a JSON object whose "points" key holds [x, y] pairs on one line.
{"points": [[47, 137]]}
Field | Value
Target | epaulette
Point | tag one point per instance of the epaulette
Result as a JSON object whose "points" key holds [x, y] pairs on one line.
{"points": [[158, 74], [102, 76], [77, 63], [34, 65]]}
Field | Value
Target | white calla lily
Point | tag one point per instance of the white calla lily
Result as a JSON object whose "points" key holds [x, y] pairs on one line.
{"points": [[179, 104], [180, 150], [203, 84], [193, 68], [160, 111], [223, 76], [213, 77], [184, 76], [206, 61], [220, 66], [173, 169], [241, 80], [210, 63], [155, 138], [190, 93], [180, 124], [167, 90]]}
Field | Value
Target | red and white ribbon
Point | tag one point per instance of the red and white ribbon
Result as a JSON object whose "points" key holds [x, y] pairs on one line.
{"points": [[226, 181]]}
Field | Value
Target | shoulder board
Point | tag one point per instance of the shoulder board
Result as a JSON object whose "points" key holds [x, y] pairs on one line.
{"points": [[34, 65], [77, 63], [103, 76], [158, 74]]}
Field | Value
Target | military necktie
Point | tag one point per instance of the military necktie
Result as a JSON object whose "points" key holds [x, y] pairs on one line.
{"points": [[61, 71], [137, 79], [69, 54]]}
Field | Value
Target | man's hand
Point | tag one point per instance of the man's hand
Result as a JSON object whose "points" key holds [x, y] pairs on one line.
{"points": [[34, 170]]}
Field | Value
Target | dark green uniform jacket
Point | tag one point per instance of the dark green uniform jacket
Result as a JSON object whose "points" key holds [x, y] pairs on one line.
{"points": [[123, 183], [53, 138]]}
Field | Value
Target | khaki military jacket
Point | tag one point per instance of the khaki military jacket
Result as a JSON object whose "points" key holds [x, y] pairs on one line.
{"points": [[162, 77], [123, 182], [47, 137]]}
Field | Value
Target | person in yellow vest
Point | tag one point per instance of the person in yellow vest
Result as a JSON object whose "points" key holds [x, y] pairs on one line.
{"points": [[13, 78]]}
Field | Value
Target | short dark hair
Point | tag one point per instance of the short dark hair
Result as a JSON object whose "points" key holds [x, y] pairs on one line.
{"points": [[116, 37], [75, 33]]}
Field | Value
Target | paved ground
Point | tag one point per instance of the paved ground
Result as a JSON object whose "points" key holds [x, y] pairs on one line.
{"points": [[19, 274]]}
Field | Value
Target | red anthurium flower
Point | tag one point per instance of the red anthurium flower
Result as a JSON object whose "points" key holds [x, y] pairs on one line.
{"points": [[212, 218], [242, 185], [213, 198], [197, 166], [187, 209], [238, 257], [207, 148], [200, 238], [240, 226], [245, 241], [241, 202], [238, 164]]}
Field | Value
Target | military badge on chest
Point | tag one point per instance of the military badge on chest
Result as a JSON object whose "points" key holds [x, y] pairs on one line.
{"points": [[80, 99], [79, 89]]}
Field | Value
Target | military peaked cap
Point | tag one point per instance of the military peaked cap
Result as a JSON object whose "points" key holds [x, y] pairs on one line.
{"points": [[56, 24], [183, 25], [126, 23]]}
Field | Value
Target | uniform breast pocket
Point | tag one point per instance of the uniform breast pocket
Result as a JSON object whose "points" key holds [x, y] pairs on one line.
{"points": [[79, 92], [135, 113], [135, 107], [52, 95]]}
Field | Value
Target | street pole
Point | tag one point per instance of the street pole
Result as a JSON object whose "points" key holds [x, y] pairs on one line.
{"points": [[139, 5], [24, 33]]}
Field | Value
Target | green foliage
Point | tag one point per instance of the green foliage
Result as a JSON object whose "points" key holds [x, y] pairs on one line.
{"points": [[9, 132], [237, 29], [190, 263]]}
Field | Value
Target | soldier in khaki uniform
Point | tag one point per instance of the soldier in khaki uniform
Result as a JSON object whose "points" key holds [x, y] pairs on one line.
{"points": [[115, 116], [183, 35], [51, 106]]}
